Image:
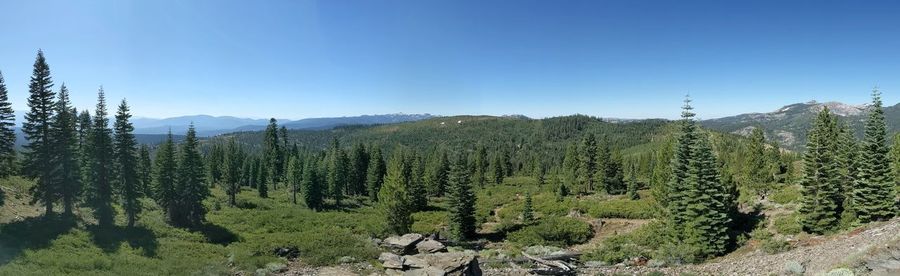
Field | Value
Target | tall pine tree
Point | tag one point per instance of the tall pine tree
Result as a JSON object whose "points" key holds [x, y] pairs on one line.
{"points": [[191, 185], [272, 154], [294, 176], [166, 178], [820, 204], [37, 128], [231, 171], [586, 170], [145, 170], [375, 172], [874, 195], [393, 198], [7, 132], [312, 184], [66, 171], [100, 190], [462, 201], [125, 151]]}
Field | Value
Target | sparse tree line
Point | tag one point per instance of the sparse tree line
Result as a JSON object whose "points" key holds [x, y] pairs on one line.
{"points": [[78, 159]]}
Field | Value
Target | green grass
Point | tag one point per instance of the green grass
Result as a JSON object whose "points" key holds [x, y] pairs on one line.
{"points": [[787, 224], [786, 195]]}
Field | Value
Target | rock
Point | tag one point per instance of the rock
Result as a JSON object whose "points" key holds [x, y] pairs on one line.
{"points": [[430, 246], [454, 263], [884, 264], [840, 272], [403, 244], [276, 267], [794, 268], [414, 261], [427, 271], [656, 263], [595, 264], [391, 260], [347, 260], [286, 252], [540, 250]]}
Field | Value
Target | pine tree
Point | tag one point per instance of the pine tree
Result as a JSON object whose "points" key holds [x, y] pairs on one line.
{"points": [[821, 181], [85, 151], [312, 185], [7, 132], [37, 129], [125, 151], [337, 171], [462, 201], [587, 164], [294, 176], [436, 174], [570, 165], [633, 187], [260, 172], [874, 196], [215, 161], [479, 174], [527, 210], [145, 170], [65, 172], [393, 198], [497, 173], [708, 205], [231, 171], [359, 164], [416, 187], [678, 187], [613, 175], [191, 185], [848, 167], [375, 173], [100, 190], [165, 179], [758, 168], [272, 154]]}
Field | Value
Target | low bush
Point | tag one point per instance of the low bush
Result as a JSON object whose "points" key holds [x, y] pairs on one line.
{"points": [[788, 194], [556, 231], [620, 208], [787, 224]]}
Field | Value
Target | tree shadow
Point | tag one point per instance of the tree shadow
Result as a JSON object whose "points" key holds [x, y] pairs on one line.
{"points": [[110, 238], [744, 224], [31, 233], [216, 234]]}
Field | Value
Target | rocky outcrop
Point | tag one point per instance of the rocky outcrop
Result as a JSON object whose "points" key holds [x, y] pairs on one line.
{"points": [[415, 255]]}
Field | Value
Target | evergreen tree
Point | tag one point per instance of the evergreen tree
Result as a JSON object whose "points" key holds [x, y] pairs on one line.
{"points": [[191, 184], [527, 210], [416, 187], [758, 167], [497, 173], [145, 170], [708, 205], [874, 196], [215, 161], [613, 178], [7, 132], [393, 198], [678, 187], [633, 187], [100, 190], [247, 172], [294, 176], [462, 201], [587, 164], [231, 171], [165, 179], [359, 164], [261, 177], [375, 172], [64, 138], [85, 151], [125, 151], [337, 171], [821, 181], [561, 191], [570, 165], [436, 174], [272, 154], [848, 167], [312, 185], [479, 174], [37, 128]]}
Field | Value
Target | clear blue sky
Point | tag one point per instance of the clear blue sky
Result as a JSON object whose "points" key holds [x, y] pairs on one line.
{"points": [[297, 59]]}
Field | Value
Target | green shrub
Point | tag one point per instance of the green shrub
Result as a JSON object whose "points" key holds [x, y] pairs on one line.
{"points": [[621, 208], [786, 195], [787, 225], [556, 231], [430, 222], [617, 249]]}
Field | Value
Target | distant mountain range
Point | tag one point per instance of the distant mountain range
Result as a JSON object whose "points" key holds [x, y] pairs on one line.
{"points": [[214, 125], [788, 125]]}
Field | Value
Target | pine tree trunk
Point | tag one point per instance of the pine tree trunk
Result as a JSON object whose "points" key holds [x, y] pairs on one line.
{"points": [[67, 205], [232, 200]]}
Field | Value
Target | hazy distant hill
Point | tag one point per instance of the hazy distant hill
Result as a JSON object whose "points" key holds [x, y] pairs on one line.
{"points": [[788, 125], [214, 125]]}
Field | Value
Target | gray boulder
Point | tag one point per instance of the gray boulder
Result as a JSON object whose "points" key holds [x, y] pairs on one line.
{"points": [[391, 260], [430, 246], [403, 244]]}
